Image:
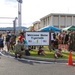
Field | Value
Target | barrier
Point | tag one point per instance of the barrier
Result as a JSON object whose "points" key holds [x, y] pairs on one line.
{"points": [[63, 47], [70, 62]]}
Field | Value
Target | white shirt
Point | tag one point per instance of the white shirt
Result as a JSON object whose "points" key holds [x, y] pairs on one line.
{"points": [[52, 38]]}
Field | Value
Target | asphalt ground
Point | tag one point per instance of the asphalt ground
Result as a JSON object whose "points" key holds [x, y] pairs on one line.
{"points": [[11, 66]]}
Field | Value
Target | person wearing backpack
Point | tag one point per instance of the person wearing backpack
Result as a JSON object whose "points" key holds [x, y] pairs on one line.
{"points": [[27, 53], [12, 40], [7, 40], [1, 43]]}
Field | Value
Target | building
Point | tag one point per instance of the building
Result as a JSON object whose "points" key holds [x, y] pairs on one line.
{"points": [[36, 25], [29, 28], [58, 20]]}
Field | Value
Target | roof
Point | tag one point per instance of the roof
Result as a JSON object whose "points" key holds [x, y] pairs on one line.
{"points": [[61, 14]]}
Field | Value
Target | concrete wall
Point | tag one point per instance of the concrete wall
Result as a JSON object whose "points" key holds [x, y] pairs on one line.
{"points": [[58, 20], [55, 19], [36, 25]]}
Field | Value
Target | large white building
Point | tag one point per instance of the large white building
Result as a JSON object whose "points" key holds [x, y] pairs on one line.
{"points": [[58, 20], [36, 25]]}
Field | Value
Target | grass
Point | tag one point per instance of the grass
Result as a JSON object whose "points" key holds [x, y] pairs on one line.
{"points": [[35, 53], [51, 54]]}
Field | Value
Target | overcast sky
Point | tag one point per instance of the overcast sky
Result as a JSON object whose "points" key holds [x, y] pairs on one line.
{"points": [[33, 10]]}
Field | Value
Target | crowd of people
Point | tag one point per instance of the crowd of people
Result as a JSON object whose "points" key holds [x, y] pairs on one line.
{"points": [[19, 43], [13, 42], [64, 37]]}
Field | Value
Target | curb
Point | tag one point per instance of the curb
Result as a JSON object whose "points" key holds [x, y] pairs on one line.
{"points": [[45, 59], [42, 59]]}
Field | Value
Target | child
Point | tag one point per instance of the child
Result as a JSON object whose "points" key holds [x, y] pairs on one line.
{"points": [[41, 51], [27, 53], [58, 53]]}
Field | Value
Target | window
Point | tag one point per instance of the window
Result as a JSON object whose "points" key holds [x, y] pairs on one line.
{"points": [[44, 22]]}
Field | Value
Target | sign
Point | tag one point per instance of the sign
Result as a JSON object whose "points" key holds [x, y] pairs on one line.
{"points": [[63, 46], [37, 38]]}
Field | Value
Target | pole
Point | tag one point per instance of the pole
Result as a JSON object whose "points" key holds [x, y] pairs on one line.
{"points": [[19, 16], [14, 24]]}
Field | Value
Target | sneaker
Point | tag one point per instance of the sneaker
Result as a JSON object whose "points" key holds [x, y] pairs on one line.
{"points": [[15, 56], [56, 56], [1, 54]]}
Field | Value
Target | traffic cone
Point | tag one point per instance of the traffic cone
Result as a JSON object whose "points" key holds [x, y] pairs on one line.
{"points": [[70, 62]]}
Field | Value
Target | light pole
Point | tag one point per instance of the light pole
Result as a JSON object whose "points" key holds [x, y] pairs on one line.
{"points": [[19, 14], [14, 24]]}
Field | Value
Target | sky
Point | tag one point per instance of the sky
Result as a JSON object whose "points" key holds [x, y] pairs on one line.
{"points": [[33, 10]]}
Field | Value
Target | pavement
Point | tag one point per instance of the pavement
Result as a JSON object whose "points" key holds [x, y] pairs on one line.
{"points": [[39, 58], [12, 66]]}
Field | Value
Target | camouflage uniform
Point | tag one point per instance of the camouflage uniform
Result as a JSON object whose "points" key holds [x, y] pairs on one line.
{"points": [[18, 49], [13, 40], [72, 42]]}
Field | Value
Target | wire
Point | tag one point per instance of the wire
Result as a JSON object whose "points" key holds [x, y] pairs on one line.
{"points": [[7, 18], [6, 23]]}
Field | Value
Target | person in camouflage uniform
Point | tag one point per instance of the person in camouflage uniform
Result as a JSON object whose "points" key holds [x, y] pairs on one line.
{"points": [[19, 48], [72, 41], [12, 40]]}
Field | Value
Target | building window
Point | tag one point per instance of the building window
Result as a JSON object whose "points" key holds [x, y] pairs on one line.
{"points": [[48, 20], [44, 22]]}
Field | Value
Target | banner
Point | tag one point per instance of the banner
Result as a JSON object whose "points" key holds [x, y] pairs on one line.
{"points": [[37, 38], [63, 46]]}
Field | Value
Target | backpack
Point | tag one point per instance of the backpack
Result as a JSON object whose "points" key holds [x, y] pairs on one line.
{"points": [[8, 38], [1, 41]]}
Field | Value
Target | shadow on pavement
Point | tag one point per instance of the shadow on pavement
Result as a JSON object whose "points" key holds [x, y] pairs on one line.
{"points": [[25, 61]]}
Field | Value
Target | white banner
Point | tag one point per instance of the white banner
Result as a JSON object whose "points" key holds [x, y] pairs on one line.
{"points": [[37, 38]]}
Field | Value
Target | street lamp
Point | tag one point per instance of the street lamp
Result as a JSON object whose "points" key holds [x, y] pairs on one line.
{"points": [[20, 1], [14, 24], [19, 14]]}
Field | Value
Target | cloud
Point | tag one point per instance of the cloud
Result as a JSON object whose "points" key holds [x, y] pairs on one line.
{"points": [[33, 10], [10, 0], [7, 10]]}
